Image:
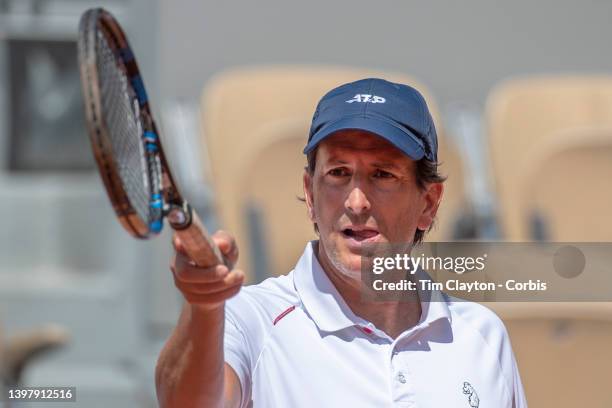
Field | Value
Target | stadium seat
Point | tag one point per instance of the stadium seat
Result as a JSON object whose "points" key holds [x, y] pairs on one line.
{"points": [[565, 190], [562, 350], [524, 113], [23, 347], [256, 123], [551, 146]]}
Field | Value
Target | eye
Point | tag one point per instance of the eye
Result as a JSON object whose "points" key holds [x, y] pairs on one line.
{"points": [[383, 174], [338, 172]]}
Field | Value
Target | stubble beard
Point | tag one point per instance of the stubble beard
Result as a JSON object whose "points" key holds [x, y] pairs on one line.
{"points": [[334, 257]]}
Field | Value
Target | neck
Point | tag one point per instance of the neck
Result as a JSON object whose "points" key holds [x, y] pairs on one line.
{"points": [[393, 317]]}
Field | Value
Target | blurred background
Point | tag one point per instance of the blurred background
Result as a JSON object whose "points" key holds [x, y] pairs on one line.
{"points": [[521, 93]]}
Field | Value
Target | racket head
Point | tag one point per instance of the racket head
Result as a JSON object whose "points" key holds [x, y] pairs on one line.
{"points": [[124, 138]]}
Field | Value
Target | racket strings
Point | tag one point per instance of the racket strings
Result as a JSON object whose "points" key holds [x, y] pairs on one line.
{"points": [[121, 111]]}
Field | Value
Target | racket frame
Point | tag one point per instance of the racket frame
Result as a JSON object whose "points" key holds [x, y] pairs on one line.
{"points": [[170, 199], [189, 228]]}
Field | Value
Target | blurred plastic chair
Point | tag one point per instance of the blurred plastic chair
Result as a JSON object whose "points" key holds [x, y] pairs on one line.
{"points": [[565, 189], [563, 351], [255, 123], [522, 113], [17, 352]]}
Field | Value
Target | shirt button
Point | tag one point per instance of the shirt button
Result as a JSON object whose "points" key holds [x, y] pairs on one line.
{"points": [[401, 378]]}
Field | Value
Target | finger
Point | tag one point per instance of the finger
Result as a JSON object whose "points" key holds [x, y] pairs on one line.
{"points": [[223, 240], [227, 245], [178, 244], [235, 278], [213, 298], [187, 271], [180, 248]]}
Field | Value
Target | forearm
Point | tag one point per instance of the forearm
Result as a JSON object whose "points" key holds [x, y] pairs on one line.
{"points": [[190, 368]]}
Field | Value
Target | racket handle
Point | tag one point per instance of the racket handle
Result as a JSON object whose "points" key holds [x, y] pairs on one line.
{"points": [[195, 238]]}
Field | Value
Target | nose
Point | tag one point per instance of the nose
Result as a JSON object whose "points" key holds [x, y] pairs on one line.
{"points": [[357, 202]]}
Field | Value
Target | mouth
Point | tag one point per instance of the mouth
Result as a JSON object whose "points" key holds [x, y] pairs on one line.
{"points": [[360, 234]]}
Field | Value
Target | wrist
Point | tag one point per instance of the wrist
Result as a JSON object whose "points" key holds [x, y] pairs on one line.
{"points": [[207, 312]]}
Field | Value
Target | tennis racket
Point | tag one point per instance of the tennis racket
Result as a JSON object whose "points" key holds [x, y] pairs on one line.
{"points": [[125, 141]]}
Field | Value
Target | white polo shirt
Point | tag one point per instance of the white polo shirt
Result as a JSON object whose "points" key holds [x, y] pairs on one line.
{"points": [[294, 342]]}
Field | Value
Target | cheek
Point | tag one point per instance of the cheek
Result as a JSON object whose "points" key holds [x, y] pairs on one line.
{"points": [[399, 217], [328, 206]]}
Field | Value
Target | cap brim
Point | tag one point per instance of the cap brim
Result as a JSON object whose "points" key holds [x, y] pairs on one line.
{"points": [[401, 138]]}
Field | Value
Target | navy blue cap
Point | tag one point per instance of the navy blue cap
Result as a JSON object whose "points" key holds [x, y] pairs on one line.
{"points": [[395, 112]]}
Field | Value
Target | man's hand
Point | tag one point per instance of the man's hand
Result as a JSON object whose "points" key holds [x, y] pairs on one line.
{"points": [[207, 286], [191, 371]]}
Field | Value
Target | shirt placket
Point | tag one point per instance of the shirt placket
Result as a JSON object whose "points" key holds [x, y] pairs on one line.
{"points": [[403, 386], [402, 379]]}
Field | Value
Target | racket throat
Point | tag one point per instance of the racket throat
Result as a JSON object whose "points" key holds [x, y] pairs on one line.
{"points": [[179, 217]]}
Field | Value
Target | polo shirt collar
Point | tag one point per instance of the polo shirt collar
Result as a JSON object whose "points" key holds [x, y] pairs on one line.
{"points": [[320, 297], [434, 304], [330, 312]]}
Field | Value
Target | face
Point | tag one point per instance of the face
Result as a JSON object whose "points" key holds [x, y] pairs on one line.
{"points": [[364, 191]]}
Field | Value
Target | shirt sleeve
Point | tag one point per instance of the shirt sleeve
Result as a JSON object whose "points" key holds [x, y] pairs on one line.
{"points": [[518, 399], [247, 323], [236, 354]]}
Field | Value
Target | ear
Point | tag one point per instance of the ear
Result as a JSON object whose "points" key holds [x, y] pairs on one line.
{"points": [[307, 186], [432, 197]]}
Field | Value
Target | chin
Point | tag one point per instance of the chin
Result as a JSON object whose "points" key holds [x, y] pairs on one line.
{"points": [[347, 263], [349, 272], [346, 259]]}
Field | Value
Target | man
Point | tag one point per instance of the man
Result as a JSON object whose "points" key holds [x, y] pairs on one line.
{"points": [[309, 338]]}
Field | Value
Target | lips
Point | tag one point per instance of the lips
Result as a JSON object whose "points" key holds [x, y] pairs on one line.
{"points": [[360, 233]]}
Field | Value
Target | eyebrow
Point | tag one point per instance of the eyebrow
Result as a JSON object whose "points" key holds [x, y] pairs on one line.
{"points": [[333, 160], [386, 165]]}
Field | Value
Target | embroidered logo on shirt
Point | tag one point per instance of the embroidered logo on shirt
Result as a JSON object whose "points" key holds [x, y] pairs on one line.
{"points": [[471, 395]]}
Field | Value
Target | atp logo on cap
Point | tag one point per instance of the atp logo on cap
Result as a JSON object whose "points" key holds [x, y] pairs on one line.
{"points": [[367, 98]]}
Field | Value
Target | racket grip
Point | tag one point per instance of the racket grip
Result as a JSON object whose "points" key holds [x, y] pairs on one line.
{"points": [[197, 242]]}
